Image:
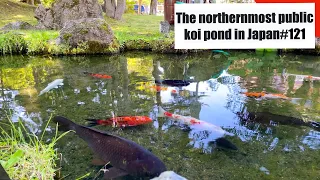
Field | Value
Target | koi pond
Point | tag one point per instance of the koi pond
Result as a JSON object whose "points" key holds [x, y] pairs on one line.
{"points": [[272, 146]]}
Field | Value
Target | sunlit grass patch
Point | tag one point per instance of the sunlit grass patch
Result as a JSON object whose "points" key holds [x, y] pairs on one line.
{"points": [[12, 11], [135, 27], [24, 156]]}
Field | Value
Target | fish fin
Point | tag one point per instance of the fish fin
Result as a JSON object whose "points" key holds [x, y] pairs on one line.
{"points": [[92, 122], [64, 124], [161, 112], [113, 172], [315, 124], [41, 92], [223, 142], [98, 162], [158, 81]]}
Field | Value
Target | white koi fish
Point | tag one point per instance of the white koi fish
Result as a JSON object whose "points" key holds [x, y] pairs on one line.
{"points": [[53, 84], [167, 175], [193, 121]]}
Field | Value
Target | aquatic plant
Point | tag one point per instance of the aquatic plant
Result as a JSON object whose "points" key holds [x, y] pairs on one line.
{"points": [[25, 156]]}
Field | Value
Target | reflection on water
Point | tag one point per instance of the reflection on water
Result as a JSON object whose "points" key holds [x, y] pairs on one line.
{"points": [[215, 95]]}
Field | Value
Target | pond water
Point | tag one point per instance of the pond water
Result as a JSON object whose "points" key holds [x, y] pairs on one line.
{"points": [[269, 148]]}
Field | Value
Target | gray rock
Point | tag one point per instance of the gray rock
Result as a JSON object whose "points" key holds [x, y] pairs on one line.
{"points": [[317, 41], [164, 27], [94, 32], [17, 25], [44, 17], [65, 10]]}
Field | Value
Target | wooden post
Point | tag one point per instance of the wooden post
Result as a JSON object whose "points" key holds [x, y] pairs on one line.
{"points": [[169, 11]]}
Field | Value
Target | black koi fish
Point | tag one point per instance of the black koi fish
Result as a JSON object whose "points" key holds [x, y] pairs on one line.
{"points": [[3, 174], [267, 117], [126, 157], [169, 82]]}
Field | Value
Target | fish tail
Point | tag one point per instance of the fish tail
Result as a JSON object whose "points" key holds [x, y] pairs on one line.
{"points": [[223, 142], [64, 124], [161, 112], [86, 72], [315, 124], [93, 122]]}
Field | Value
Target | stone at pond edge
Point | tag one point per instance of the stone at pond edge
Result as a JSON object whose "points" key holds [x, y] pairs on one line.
{"points": [[164, 27], [17, 25], [91, 35], [65, 10]]}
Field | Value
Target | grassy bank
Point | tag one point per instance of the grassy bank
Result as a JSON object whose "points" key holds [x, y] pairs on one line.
{"points": [[24, 155], [134, 32]]}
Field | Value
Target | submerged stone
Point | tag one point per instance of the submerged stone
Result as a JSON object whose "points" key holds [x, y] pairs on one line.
{"points": [[265, 170]]}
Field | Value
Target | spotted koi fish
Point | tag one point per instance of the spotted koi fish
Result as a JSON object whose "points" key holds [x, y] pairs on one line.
{"points": [[312, 78], [192, 121], [121, 121], [100, 76]]}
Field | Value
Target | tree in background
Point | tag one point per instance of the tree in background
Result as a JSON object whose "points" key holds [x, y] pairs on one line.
{"points": [[153, 7], [114, 8]]}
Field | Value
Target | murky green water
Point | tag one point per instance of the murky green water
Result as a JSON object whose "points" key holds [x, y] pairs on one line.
{"points": [[215, 97]]}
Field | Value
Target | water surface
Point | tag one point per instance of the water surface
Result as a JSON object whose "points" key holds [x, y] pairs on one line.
{"points": [[268, 150]]}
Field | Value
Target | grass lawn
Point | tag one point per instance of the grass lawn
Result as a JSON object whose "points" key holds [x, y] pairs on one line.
{"points": [[14, 11], [131, 27]]}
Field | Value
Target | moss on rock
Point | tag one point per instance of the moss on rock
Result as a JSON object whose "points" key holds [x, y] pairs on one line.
{"points": [[95, 33], [67, 36]]}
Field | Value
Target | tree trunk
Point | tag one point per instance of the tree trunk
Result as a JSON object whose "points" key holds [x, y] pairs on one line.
{"points": [[153, 7], [139, 6], [110, 7], [114, 8], [31, 2], [121, 7]]}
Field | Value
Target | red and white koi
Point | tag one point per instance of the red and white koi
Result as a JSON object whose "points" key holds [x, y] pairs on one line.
{"points": [[192, 121]]}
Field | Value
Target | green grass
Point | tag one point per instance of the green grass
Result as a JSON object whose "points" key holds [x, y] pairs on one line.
{"points": [[133, 27], [12, 11], [24, 156]]}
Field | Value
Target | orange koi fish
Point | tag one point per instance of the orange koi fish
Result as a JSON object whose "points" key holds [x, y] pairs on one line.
{"points": [[159, 88], [265, 95], [255, 94], [193, 121], [121, 121], [101, 76]]}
